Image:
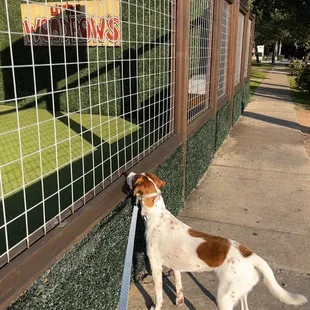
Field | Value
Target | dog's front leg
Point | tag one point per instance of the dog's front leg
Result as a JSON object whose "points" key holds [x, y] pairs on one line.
{"points": [[158, 282], [178, 286]]}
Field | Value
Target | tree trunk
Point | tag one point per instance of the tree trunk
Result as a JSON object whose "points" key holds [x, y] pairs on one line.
{"points": [[273, 55], [280, 48], [256, 54], [306, 59]]}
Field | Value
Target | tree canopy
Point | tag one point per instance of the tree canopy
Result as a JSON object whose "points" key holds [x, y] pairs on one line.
{"points": [[285, 21]]}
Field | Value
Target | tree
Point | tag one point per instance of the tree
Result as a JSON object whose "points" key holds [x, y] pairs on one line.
{"points": [[282, 21], [298, 23]]}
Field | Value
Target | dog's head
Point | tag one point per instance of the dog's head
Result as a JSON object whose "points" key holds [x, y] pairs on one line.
{"points": [[145, 186]]}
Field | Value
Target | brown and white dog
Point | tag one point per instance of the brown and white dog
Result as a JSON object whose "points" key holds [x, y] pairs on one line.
{"points": [[175, 245]]}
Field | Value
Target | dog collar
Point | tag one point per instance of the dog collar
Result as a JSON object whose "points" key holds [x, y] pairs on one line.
{"points": [[141, 197]]}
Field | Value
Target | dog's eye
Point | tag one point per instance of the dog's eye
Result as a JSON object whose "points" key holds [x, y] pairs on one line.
{"points": [[139, 193]]}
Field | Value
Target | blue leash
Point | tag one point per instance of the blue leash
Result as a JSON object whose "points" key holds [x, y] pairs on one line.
{"points": [[123, 303]]}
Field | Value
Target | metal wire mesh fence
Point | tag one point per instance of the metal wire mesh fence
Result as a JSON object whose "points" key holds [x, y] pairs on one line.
{"points": [[85, 93], [222, 81], [239, 49], [201, 14], [87, 90]]}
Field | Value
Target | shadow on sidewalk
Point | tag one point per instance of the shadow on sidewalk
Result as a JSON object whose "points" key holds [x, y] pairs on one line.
{"points": [[170, 291], [203, 289], [277, 85], [277, 121], [282, 94]]}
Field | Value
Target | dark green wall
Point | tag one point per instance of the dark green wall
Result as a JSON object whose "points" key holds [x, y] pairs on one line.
{"points": [[202, 146], [241, 100], [200, 151], [247, 93], [222, 124], [89, 275]]}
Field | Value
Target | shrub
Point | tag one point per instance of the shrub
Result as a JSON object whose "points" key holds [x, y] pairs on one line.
{"points": [[296, 67], [281, 58], [303, 79]]}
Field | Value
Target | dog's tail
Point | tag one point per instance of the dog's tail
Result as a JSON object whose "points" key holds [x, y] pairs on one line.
{"points": [[273, 285]]}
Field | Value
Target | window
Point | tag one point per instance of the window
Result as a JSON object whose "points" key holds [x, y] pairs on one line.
{"points": [[239, 48], [222, 80], [201, 14]]}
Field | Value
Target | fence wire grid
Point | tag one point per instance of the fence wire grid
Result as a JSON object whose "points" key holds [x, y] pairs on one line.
{"points": [[85, 93], [222, 80], [201, 15], [87, 90]]}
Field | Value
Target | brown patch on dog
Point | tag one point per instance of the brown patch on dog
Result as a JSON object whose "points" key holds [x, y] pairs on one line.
{"points": [[213, 251], [143, 186], [158, 182], [245, 252]]}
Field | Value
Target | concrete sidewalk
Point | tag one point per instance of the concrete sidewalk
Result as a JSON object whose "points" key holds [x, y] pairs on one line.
{"points": [[257, 191]]}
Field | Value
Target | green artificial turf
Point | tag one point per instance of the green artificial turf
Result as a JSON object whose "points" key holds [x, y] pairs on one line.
{"points": [[36, 137]]}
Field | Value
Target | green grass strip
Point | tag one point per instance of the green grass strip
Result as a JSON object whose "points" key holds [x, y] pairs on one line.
{"points": [[258, 74], [300, 97]]}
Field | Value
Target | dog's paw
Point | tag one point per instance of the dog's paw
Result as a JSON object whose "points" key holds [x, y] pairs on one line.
{"points": [[180, 298], [179, 301], [152, 308]]}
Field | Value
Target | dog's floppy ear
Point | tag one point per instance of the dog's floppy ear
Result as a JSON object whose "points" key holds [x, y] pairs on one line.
{"points": [[158, 182], [130, 179]]}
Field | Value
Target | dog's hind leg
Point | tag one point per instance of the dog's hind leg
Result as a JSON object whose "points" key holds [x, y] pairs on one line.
{"points": [[179, 289], [225, 299], [227, 296]]}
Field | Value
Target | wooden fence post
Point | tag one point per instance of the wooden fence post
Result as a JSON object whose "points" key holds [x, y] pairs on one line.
{"points": [[182, 64]]}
